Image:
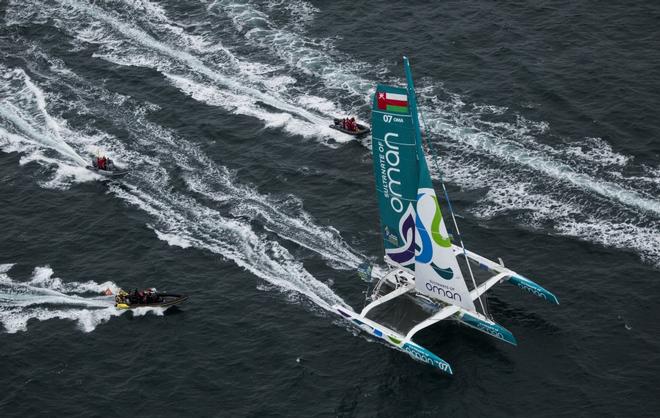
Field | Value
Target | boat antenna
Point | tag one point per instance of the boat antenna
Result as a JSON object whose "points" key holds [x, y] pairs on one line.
{"points": [[442, 182]]}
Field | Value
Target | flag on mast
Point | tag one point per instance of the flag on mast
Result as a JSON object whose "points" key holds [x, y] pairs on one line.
{"points": [[392, 102]]}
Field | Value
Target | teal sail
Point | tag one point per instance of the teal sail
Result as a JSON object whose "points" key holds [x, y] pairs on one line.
{"points": [[396, 170]]}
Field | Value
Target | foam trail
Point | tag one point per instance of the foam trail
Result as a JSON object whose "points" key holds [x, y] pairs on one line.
{"points": [[9, 112], [190, 60], [203, 69], [179, 219], [24, 111], [45, 297], [301, 53], [574, 180], [52, 125], [183, 222], [6, 267], [512, 152], [245, 106], [12, 113], [311, 56], [299, 229]]}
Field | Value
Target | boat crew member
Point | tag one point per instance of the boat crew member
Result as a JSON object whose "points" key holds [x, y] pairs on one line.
{"points": [[352, 126]]}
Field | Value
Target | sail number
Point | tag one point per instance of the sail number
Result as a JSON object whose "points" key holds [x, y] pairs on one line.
{"points": [[390, 118]]}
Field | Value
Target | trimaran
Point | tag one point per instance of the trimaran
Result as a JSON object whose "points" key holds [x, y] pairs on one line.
{"points": [[422, 260]]}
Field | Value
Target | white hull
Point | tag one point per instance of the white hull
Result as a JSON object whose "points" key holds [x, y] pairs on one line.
{"points": [[393, 338]]}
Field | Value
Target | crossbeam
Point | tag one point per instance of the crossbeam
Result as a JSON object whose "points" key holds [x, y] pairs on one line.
{"points": [[483, 287], [493, 266], [443, 313], [393, 294]]}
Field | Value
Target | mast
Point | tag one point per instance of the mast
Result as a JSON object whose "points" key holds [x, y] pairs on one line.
{"points": [[412, 99]]}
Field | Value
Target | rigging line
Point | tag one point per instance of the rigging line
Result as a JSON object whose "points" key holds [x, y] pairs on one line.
{"points": [[451, 210], [418, 136], [366, 295]]}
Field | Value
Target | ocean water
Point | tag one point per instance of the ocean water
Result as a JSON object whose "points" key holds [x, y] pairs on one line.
{"points": [[545, 121]]}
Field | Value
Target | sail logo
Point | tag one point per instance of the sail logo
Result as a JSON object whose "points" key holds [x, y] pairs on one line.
{"points": [[405, 254], [446, 293], [425, 254], [390, 172], [446, 273], [437, 272]]}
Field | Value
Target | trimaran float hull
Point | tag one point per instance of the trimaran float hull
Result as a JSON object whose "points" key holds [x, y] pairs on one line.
{"points": [[393, 338]]}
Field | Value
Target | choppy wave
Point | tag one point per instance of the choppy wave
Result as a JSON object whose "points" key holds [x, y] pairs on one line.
{"points": [[287, 43], [500, 142], [182, 220], [50, 131], [34, 132], [283, 217], [485, 146], [240, 58], [190, 61]]}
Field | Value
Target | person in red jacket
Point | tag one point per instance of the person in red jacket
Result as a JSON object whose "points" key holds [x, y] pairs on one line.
{"points": [[352, 126]]}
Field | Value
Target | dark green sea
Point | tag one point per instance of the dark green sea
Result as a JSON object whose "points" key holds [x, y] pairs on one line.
{"points": [[545, 119]]}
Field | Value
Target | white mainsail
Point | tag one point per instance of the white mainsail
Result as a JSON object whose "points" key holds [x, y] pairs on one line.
{"points": [[437, 273]]}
